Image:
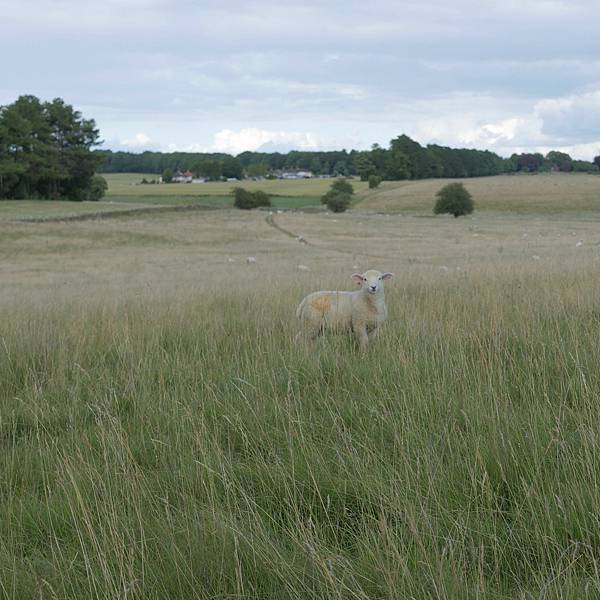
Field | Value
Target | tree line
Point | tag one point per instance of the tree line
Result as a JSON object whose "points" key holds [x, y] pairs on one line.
{"points": [[403, 159], [45, 152], [219, 165], [553, 161]]}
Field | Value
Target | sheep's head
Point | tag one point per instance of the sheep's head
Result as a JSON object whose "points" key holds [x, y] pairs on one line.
{"points": [[371, 281]]}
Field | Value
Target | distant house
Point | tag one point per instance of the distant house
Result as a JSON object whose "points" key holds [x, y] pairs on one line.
{"points": [[185, 177]]}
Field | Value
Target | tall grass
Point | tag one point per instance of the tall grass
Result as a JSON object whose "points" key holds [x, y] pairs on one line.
{"points": [[186, 448]]}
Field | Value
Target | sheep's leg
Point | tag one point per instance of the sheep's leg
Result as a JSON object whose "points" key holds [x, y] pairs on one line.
{"points": [[361, 335], [373, 334], [308, 334]]}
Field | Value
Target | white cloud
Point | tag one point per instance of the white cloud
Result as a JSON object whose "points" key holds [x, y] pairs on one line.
{"points": [[140, 140], [582, 151], [492, 133], [571, 119], [234, 142], [567, 123]]}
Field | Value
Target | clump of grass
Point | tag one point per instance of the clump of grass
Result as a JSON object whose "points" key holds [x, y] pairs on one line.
{"points": [[188, 449]]}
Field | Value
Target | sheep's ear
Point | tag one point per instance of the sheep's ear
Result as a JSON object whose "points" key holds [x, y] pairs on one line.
{"points": [[387, 276], [358, 278]]}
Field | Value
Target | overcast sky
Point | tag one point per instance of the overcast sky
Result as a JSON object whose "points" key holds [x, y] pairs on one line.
{"points": [[236, 75]]}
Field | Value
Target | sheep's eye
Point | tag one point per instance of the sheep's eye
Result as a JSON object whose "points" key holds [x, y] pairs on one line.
{"points": [[364, 278], [380, 279]]}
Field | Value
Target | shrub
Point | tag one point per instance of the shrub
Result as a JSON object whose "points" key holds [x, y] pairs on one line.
{"points": [[325, 197], [454, 199], [167, 176], [338, 202], [247, 200], [339, 196], [97, 189], [261, 198], [343, 186], [374, 181], [243, 198]]}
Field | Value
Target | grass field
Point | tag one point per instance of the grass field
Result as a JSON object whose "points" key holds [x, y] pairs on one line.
{"points": [[213, 201], [124, 194], [24, 209], [127, 184], [162, 436], [542, 193]]}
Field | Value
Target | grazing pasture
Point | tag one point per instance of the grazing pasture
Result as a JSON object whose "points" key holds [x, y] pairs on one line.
{"points": [[127, 184], [163, 437], [125, 188], [521, 193]]}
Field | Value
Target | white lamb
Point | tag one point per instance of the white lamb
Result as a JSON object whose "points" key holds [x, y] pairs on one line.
{"points": [[360, 312]]}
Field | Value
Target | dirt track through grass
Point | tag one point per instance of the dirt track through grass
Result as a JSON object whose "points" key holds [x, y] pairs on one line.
{"points": [[116, 214]]}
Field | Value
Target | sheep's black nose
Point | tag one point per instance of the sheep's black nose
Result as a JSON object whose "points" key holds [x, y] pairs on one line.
{"points": [[373, 287]]}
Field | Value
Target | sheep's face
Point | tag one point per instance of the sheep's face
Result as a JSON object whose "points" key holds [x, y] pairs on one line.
{"points": [[371, 281]]}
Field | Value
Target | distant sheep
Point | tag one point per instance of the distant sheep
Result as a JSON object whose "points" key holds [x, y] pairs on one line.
{"points": [[361, 311], [250, 260]]}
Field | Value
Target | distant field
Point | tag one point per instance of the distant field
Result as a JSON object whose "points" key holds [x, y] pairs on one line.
{"points": [[127, 184], [123, 194], [24, 209], [551, 193], [548, 194], [212, 200], [35, 209]]}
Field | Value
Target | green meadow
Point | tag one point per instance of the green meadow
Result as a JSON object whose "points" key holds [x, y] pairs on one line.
{"points": [[163, 437]]}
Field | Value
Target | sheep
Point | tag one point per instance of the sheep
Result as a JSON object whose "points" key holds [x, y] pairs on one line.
{"points": [[361, 311]]}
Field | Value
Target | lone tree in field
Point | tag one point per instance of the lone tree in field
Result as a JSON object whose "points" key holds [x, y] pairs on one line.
{"points": [[339, 196], [338, 201], [342, 186], [455, 200]]}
